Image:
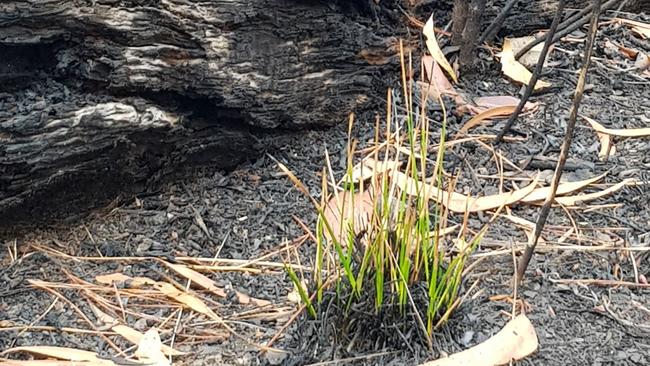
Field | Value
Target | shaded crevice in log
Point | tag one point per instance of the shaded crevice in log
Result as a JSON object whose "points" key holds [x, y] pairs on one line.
{"points": [[72, 152]]}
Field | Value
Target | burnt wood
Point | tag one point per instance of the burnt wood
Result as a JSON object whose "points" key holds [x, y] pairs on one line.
{"points": [[104, 97]]}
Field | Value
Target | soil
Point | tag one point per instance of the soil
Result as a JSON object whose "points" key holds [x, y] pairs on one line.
{"points": [[251, 211]]}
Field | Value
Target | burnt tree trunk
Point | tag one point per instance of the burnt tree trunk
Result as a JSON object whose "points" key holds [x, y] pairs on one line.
{"points": [[103, 97]]}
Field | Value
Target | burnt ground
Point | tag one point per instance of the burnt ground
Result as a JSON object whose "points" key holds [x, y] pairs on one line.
{"points": [[246, 213]]}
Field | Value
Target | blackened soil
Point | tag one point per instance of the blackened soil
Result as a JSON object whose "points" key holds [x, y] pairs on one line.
{"points": [[248, 213]]}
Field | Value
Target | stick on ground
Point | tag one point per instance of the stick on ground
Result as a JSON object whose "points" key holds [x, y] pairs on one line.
{"points": [[495, 26], [566, 144]]}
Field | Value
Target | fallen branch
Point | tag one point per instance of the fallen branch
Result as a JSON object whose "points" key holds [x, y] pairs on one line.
{"points": [[566, 144]]}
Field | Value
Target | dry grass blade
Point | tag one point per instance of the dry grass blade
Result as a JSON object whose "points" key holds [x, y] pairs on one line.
{"points": [[62, 353], [190, 301]]}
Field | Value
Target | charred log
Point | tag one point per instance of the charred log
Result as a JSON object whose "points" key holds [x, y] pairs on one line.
{"points": [[104, 97]]}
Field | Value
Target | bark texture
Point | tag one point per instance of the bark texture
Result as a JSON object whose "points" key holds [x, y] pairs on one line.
{"points": [[103, 97]]}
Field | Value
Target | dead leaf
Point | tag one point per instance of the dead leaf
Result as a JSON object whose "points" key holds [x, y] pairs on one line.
{"points": [[167, 289], [527, 226], [343, 209], [605, 136], [489, 102], [369, 167], [486, 115], [434, 48], [148, 351], [574, 200], [460, 203], [196, 278], [515, 341], [57, 363], [186, 299], [108, 279], [516, 71], [530, 58], [439, 85], [628, 52], [62, 353], [244, 299], [135, 337], [540, 194], [607, 147]]}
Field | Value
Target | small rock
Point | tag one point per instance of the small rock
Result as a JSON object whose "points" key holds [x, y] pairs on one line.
{"points": [[467, 337], [274, 357]]}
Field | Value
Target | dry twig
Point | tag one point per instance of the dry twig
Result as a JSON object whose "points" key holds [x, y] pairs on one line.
{"points": [[566, 144]]}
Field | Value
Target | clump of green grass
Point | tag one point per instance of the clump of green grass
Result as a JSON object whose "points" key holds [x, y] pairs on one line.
{"points": [[380, 235]]}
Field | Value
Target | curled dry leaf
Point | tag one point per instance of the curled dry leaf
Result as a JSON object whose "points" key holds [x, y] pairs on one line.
{"points": [[460, 203], [628, 53], [631, 132], [434, 48], [605, 134], [515, 341], [485, 115], [516, 71]]}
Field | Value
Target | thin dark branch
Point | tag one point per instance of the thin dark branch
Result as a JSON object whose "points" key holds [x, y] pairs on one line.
{"points": [[496, 24], [538, 70], [572, 23], [566, 144]]}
